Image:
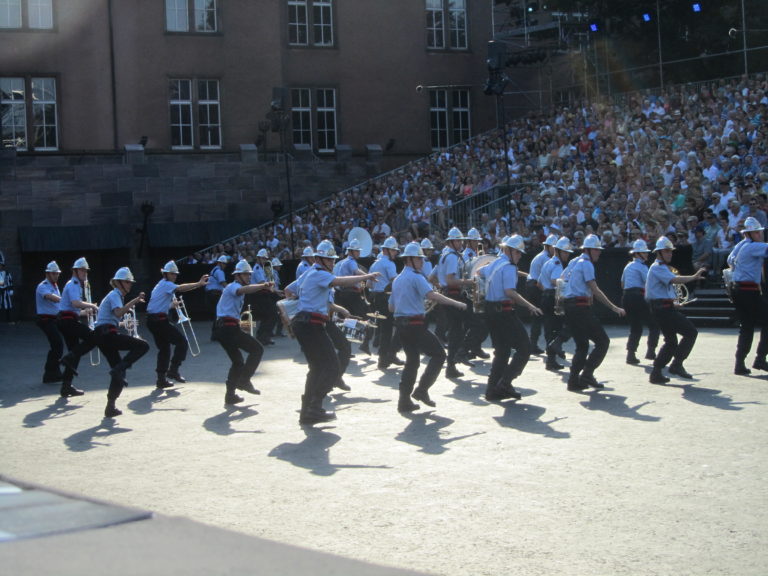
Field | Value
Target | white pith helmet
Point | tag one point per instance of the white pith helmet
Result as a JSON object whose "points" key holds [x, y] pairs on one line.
{"points": [[262, 253], [639, 246], [242, 267], [564, 244], [515, 242], [551, 240], [325, 250], [170, 268], [224, 259], [391, 244], [473, 234], [426, 244], [307, 253], [592, 241], [752, 224], [454, 234], [81, 263], [276, 263], [52, 267], [663, 243], [412, 249], [124, 274], [354, 244]]}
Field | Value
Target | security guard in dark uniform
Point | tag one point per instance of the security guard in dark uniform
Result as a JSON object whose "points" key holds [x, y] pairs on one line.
{"points": [[409, 291], [507, 330], [47, 298], [310, 327], [746, 261], [660, 293], [580, 288], [160, 302], [633, 301]]}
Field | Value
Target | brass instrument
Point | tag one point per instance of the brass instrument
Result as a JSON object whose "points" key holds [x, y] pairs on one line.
{"points": [[95, 355], [480, 286], [560, 285], [728, 282], [269, 273], [185, 323], [246, 321], [131, 323], [682, 295]]}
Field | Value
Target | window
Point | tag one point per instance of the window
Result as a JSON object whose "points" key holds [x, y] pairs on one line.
{"points": [[314, 122], [455, 13], [26, 14], [29, 102], [449, 117], [310, 22], [183, 102], [196, 16]]}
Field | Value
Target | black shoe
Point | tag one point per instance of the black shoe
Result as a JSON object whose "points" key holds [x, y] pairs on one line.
{"points": [[364, 348], [464, 359], [678, 370], [68, 362], [553, 366], [407, 405], [68, 390], [163, 383], [657, 377], [650, 355], [176, 376], [632, 359], [397, 361], [247, 386], [497, 394], [111, 412], [232, 398], [341, 385], [576, 385], [481, 354], [382, 365], [561, 354], [589, 381], [452, 372], [52, 378], [423, 396], [741, 370], [760, 365], [535, 351], [315, 416]]}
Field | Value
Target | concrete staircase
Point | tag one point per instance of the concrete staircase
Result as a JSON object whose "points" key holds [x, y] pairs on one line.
{"points": [[712, 308]]}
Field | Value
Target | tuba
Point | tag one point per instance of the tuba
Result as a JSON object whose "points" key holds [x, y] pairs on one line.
{"points": [[480, 285], [246, 321], [95, 355], [185, 323], [728, 283], [682, 294]]}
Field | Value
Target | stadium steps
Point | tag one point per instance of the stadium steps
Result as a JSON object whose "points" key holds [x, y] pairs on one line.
{"points": [[712, 308]]}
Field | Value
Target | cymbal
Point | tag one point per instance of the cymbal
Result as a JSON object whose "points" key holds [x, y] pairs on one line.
{"points": [[375, 316]]}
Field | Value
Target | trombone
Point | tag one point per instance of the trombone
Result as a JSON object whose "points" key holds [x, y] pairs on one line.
{"points": [[95, 355], [185, 323], [246, 321]]}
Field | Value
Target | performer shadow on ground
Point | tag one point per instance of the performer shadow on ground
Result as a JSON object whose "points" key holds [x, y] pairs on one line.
{"points": [[616, 405], [148, 403], [345, 398], [465, 391], [58, 409], [314, 452], [527, 418], [709, 397], [424, 431], [93, 437], [221, 424]]}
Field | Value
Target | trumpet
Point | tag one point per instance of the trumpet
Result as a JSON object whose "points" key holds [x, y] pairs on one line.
{"points": [[95, 355], [185, 323], [131, 323], [246, 321]]}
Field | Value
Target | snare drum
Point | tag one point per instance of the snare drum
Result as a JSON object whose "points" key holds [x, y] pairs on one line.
{"points": [[353, 329], [288, 308]]}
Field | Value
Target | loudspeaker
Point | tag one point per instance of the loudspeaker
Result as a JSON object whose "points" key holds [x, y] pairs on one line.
{"points": [[497, 55], [280, 99]]}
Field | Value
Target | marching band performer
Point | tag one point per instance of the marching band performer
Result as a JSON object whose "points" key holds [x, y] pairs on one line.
{"points": [[580, 288], [111, 342], [409, 289], [307, 259], [47, 298], [351, 297], [746, 260], [660, 293], [532, 290], [555, 331], [233, 339], [633, 301], [78, 337], [217, 281], [263, 301], [161, 300], [428, 249], [507, 330], [475, 325], [310, 327], [389, 344], [6, 290], [277, 265]]}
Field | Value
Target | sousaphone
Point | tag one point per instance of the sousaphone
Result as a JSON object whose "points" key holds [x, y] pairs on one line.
{"points": [[364, 238]]}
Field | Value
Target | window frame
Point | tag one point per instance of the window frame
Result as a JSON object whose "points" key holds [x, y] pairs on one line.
{"points": [[190, 9], [442, 31], [26, 8], [319, 125], [450, 117], [33, 107], [310, 23], [193, 107]]}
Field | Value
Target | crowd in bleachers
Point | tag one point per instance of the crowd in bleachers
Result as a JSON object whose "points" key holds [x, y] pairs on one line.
{"points": [[690, 163]]}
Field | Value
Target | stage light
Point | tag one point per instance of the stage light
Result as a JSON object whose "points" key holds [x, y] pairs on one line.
{"points": [[646, 17], [593, 27], [696, 7]]}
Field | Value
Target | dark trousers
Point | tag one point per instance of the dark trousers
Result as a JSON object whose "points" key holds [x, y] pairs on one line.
{"points": [[264, 309], [211, 301], [165, 336], [56, 344], [639, 315], [533, 295], [672, 322], [418, 340], [389, 343], [111, 343], [80, 341], [233, 340], [752, 310], [507, 332], [584, 326], [554, 325], [324, 370], [475, 327], [342, 346]]}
